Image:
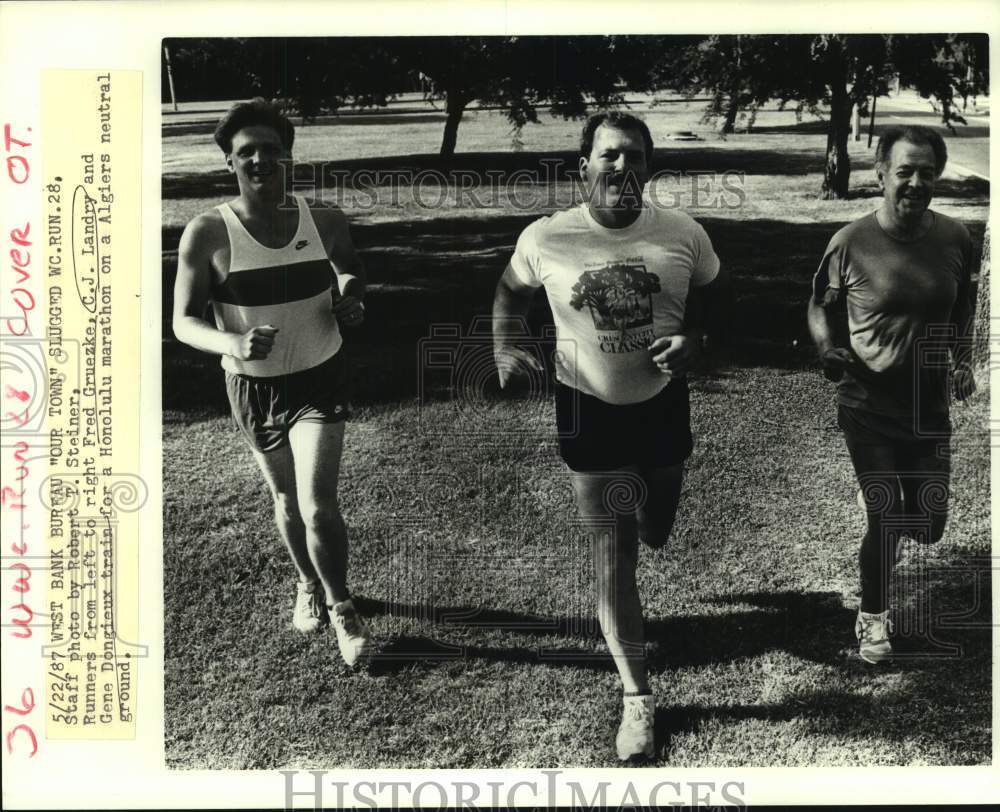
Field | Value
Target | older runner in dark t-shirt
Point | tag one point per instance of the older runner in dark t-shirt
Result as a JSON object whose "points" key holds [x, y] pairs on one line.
{"points": [[899, 297], [895, 285]]}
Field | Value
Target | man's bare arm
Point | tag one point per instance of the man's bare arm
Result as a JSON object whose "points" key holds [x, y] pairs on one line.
{"points": [[833, 359], [344, 256], [348, 266], [192, 289], [820, 326], [511, 303]]}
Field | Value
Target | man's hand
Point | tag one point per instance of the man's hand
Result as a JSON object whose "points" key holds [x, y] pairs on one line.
{"points": [[513, 361], [834, 361], [963, 382], [674, 355], [255, 344], [350, 311]]}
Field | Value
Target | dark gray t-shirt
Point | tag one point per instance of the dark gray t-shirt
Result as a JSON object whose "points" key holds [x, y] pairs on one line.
{"points": [[899, 299]]}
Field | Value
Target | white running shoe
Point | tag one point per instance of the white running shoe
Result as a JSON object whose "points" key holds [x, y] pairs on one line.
{"points": [[310, 608], [353, 637], [873, 632], [635, 735]]}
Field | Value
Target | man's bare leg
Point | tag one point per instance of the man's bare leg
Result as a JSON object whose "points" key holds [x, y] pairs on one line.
{"points": [[279, 473], [317, 448], [614, 542], [316, 451]]}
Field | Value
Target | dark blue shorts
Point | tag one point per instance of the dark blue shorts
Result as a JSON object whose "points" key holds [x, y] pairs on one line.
{"points": [[265, 409], [599, 436]]}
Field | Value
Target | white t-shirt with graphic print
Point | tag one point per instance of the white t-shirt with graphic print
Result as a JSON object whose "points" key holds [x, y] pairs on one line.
{"points": [[613, 291]]}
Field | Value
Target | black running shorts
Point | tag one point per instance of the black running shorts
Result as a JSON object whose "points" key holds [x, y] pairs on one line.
{"points": [[265, 409], [599, 436]]}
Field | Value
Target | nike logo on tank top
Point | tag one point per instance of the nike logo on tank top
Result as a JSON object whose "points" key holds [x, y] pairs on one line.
{"points": [[290, 288]]}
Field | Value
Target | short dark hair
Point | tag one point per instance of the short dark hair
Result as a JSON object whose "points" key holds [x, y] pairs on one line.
{"points": [[620, 121], [915, 134], [250, 113]]}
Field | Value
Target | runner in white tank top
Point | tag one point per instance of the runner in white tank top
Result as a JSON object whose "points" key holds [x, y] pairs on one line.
{"points": [[289, 288], [267, 273]]}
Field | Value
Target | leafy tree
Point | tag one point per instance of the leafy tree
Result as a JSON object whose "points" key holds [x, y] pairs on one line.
{"points": [[853, 68], [832, 71], [309, 75], [944, 67], [520, 74], [210, 68], [740, 72], [314, 75]]}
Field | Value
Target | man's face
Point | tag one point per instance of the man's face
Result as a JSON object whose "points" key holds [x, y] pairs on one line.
{"points": [[616, 170], [908, 179], [256, 158]]}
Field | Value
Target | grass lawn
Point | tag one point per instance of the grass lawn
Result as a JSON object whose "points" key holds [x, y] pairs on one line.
{"points": [[465, 555]]}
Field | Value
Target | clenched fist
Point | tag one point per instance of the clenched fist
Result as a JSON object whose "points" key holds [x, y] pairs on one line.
{"points": [[350, 311], [834, 361], [256, 343]]}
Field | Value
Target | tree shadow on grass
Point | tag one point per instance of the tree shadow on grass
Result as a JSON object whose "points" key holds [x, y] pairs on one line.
{"points": [[898, 716], [177, 129], [447, 275], [944, 692], [813, 126], [545, 166], [443, 272], [814, 626], [810, 625], [807, 126], [941, 666], [947, 190]]}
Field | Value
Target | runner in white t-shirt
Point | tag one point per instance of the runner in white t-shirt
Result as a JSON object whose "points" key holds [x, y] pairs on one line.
{"points": [[617, 272]]}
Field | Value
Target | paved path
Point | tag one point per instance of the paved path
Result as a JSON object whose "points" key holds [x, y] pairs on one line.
{"points": [[968, 150]]}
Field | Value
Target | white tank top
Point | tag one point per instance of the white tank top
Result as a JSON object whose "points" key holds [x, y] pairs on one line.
{"points": [[290, 288]]}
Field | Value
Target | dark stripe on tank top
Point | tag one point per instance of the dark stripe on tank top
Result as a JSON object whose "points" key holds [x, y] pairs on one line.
{"points": [[271, 286]]}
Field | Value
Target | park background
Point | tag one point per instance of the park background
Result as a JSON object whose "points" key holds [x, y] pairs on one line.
{"points": [[459, 511]]}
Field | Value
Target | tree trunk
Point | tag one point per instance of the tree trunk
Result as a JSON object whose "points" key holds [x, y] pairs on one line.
{"points": [[732, 110], [733, 104], [981, 339], [837, 177], [871, 122], [454, 106]]}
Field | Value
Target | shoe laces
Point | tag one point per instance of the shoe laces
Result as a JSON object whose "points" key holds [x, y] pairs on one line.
{"points": [[638, 711], [350, 622], [309, 602], [875, 628]]}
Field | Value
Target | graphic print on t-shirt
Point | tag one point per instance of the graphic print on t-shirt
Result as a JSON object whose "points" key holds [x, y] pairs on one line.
{"points": [[619, 296]]}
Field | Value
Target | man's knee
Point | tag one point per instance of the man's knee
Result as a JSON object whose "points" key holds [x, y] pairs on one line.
{"points": [[285, 508], [317, 515]]}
